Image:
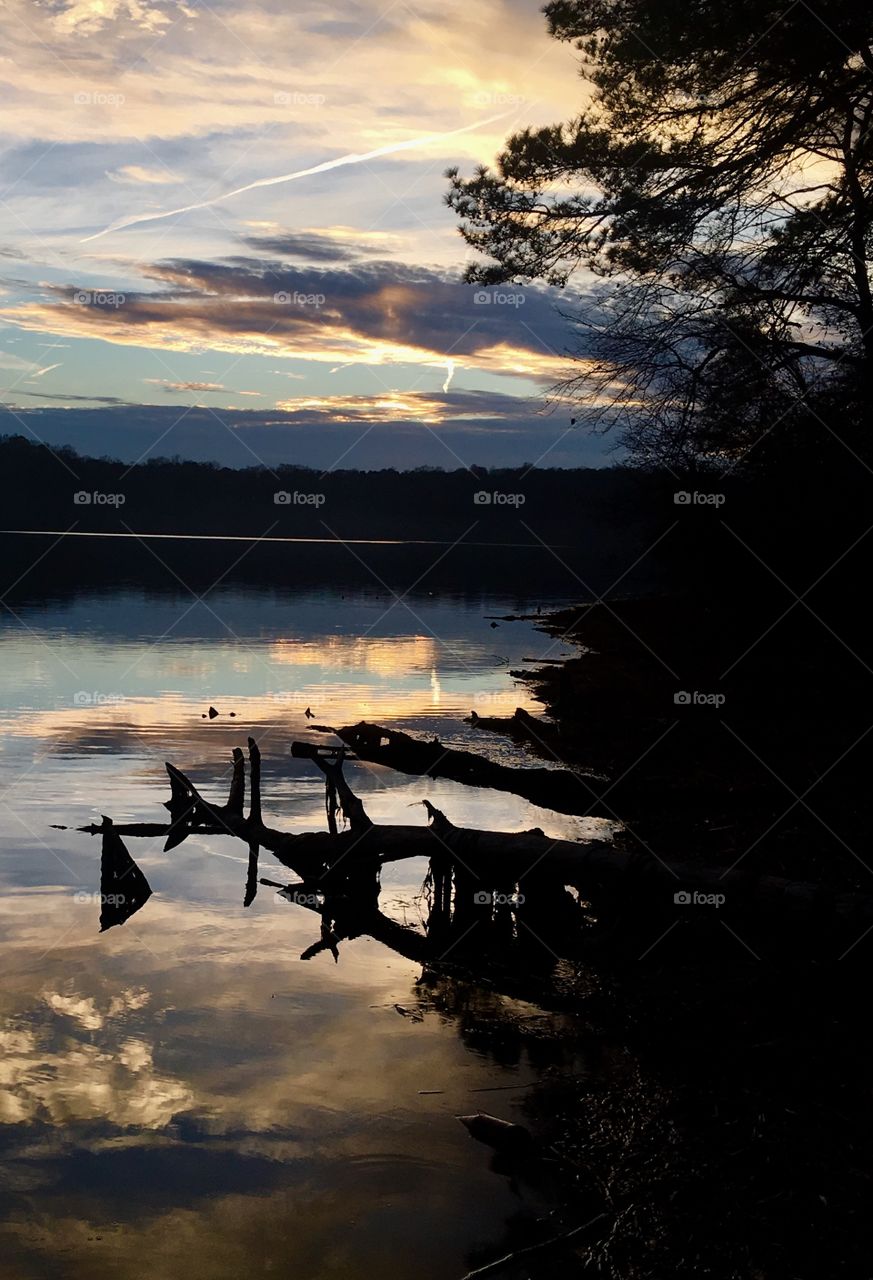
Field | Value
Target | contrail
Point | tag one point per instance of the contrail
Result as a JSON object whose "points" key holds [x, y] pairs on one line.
{"points": [[47, 369], [450, 373], [354, 157]]}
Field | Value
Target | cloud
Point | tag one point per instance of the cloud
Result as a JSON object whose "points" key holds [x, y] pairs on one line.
{"points": [[313, 246], [472, 409], [89, 17], [375, 313], [186, 70], [66, 398], [186, 386], [108, 102], [324, 244], [141, 175], [199, 387]]}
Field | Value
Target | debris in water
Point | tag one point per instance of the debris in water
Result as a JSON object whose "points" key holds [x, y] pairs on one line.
{"points": [[502, 1135], [408, 1013]]}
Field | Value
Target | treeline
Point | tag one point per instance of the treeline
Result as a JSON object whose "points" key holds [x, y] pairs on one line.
{"points": [[53, 488], [707, 533]]}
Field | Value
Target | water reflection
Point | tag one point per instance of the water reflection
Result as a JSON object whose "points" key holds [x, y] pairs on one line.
{"points": [[184, 1088], [124, 890]]}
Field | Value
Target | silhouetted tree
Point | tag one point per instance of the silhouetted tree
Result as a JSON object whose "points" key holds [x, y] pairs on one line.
{"points": [[719, 184]]}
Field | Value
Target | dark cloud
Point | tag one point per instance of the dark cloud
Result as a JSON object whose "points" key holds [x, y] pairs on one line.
{"points": [[479, 428], [310, 245], [65, 399], [308, 309]]}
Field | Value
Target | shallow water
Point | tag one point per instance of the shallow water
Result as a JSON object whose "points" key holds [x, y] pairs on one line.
{"points": [[183, 1094]]}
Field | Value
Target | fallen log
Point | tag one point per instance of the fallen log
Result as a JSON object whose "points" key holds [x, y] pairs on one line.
{"points": [[603, 872], [562, 790], [543, 735]]}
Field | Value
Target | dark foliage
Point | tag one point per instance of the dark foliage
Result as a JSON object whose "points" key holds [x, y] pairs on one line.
{"points": [[718, 182]]}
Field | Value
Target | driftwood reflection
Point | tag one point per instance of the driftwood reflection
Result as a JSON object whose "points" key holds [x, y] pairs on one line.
{"points": [[468, 929], [123, 887]]}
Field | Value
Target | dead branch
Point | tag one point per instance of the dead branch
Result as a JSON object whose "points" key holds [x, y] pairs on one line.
{"points": [[563, 790], [491, 1268]]}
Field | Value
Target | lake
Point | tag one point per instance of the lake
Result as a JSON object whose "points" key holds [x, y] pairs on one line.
{"points": [[184, 1094]]}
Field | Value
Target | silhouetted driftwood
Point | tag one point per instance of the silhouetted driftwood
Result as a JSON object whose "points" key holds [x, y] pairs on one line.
{"points": [[506, 853], [603, 872], [562, 790]]}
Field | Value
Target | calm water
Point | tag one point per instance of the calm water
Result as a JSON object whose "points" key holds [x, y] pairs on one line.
{"points": [[183, 1094]]}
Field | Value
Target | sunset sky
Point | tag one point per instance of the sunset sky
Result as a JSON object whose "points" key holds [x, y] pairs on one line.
{"points": [[318, 319]]}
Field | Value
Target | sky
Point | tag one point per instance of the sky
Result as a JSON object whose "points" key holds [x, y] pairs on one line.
{"points": [[223, 233]]}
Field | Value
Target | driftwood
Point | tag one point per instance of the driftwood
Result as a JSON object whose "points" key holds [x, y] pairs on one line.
{"points": [[604, 873], [562, 790], [506, 855], [525, 728]]}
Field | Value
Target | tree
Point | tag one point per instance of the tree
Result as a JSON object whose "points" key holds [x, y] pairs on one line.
{"points": [[716, 190]]}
